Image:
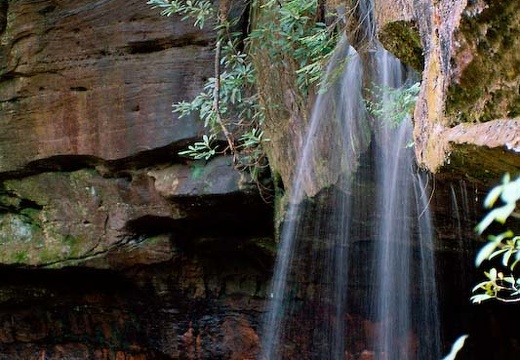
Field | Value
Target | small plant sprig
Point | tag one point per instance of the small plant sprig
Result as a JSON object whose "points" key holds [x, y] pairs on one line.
{"points": [[204, 149], [200, 10], [392, 105], [498, 286], [252, 154]]}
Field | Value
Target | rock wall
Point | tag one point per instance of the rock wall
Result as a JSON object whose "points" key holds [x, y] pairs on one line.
{"points": [[111, 245], [470, 75], [95, 78]]}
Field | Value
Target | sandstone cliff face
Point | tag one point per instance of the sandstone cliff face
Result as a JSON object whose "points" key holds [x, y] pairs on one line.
{"points": [[90, 144], [113, 247], [95, 78]]}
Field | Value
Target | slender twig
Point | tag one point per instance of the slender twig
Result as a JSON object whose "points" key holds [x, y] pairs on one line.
{"points": [[216, 100], [221, 18], [507, 300]]}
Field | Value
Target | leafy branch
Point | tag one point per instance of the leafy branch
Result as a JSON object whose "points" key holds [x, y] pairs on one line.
{"points": [[229, 104], [498, 286], [204, 149], [392, 105], [200, 10], [216, 100], [223, 97]]}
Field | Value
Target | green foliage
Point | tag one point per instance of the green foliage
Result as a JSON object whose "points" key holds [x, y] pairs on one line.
{"points": [[252, 154], [236, 82], [200, 10], [201, 149], [500, 286], [228, 99], [393, 105], [294, 34], [229, 103]]}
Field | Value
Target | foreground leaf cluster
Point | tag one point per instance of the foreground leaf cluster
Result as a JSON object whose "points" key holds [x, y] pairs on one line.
{"points": [[502, 285]]}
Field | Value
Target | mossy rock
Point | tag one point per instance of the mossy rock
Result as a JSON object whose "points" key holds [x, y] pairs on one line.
{"points": [[486, 65], [37, 226], [402, 39]]}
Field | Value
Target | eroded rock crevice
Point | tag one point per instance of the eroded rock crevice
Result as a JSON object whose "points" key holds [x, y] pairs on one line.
{"points": [[4, 9]]}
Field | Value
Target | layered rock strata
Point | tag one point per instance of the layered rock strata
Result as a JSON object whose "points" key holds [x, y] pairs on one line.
{"points": [[111, 245]]}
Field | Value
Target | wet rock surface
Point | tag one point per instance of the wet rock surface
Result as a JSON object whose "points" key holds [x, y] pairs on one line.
{"points": [[482, 153], [164, 312]]}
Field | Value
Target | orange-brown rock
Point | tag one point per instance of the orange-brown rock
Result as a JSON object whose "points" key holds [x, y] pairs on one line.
{"points": [[95, 78], [241, 339]]}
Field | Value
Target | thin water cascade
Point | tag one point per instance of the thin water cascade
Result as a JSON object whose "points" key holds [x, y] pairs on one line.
{"points": [[355, 272], [322, 242], [404, 297]]}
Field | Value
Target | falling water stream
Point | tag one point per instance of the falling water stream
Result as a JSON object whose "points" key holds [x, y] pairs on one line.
{"points": [[355, 267]]}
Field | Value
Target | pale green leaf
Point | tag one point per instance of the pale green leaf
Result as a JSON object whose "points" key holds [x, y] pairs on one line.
{"points": [[456, 347], [509, 279], [507, 256], [492, 275], [496, 253], [513, 265], [492, 197], [477, 299], [511, 192], [485, 252], [480, 286], [502, 213]]}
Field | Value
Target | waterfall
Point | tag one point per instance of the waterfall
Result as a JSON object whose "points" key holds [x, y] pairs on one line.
{"points": [[354, 271], [404, 296], [339, 112]]}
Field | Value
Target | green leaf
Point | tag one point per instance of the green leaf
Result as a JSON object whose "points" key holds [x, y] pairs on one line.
{"points": [[477, 299], [506, 257], [513, 265], [481, 286], [492, 196], [511, 192], [509, 279], [502, 213], [492, 275], [485, 252], [496, 253], [456, 347], [484, 223]]}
